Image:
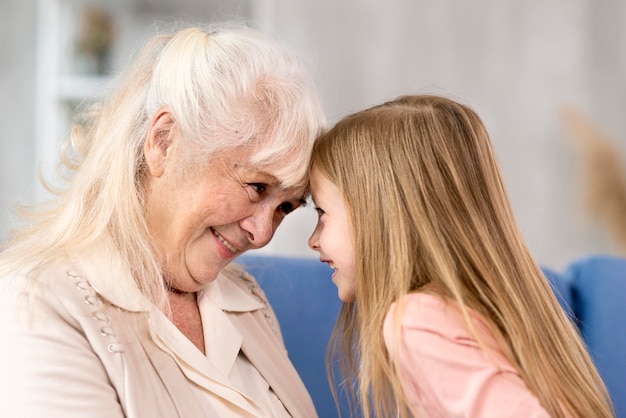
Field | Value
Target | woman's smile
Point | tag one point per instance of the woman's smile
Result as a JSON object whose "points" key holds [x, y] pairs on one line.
{"points": [[224, 241]]}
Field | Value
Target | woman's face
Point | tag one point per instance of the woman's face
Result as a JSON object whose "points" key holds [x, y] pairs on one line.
{"points": [[201, 219], [332, 237]]}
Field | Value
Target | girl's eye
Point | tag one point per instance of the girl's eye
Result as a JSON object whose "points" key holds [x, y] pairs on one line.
{"points": [[259, 188], [319, 211]]}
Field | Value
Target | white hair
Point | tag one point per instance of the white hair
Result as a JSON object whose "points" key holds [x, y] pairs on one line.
{"points": [[226, 88]]}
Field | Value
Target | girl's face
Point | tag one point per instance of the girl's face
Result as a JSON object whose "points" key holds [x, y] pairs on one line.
{"points": [[332, 237]]}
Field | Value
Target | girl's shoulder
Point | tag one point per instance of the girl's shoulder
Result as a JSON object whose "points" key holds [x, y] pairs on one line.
{"points": [[431, 313], [421, 309]]}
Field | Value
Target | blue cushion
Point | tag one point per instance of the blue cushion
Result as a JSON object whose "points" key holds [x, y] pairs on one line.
{"points": [[306, 304], [599, 296]]}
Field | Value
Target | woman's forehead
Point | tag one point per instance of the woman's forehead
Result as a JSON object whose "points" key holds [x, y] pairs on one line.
{"points": [[282, 169]]}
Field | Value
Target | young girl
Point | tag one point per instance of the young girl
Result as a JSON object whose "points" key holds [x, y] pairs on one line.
{"points": [[445, 313]]}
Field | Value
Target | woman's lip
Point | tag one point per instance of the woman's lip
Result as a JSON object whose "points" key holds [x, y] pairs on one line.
{"points": [[223, 241]]}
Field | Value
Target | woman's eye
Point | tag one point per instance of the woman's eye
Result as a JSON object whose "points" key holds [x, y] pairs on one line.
{"points": [[286, 207], [319, 211], [259, 188]]}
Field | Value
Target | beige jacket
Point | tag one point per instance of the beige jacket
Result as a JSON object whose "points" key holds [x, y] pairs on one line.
{"points": [[84, 347]]}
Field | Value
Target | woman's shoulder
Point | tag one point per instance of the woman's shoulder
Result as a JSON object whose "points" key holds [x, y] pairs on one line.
{"points": [[53, 291], [237, 275], [33, 279], [72, 282]]}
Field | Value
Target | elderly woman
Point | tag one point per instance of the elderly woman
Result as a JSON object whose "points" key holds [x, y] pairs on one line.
{"points": [[118, 298]]}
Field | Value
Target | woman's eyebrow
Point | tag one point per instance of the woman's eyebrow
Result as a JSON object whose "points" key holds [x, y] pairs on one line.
{"points": [[273, 181], [270, 179]]}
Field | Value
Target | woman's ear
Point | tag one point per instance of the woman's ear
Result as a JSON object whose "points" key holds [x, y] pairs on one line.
{"points": [[158, 141]]}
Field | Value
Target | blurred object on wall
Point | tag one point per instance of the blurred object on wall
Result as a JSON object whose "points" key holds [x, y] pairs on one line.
{"points": [[95, 40], [602, 174]]}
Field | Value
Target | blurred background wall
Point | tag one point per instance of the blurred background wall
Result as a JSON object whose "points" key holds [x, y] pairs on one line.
{"points": [[516, 63]]}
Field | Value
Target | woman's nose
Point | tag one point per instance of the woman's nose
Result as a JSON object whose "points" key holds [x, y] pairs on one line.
{"points": [[260, 226]]}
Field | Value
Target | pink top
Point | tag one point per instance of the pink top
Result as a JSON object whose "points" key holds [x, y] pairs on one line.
{"points": [[444, 371]]}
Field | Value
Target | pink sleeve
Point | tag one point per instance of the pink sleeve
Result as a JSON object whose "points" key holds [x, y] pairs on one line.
{"points": [[445, 373]]}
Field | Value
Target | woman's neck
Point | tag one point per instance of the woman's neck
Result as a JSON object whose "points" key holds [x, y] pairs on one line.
{"points": [[185, 315]]}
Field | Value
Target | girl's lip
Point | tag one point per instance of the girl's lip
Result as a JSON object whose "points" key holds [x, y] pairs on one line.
{"points": [[330, 263]]}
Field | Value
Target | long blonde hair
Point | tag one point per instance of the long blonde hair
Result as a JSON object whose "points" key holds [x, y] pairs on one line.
{"points": [[226, 86], [428, 206]]}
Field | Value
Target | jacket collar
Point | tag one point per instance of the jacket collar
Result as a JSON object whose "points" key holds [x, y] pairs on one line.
{"points": [[224, 343], [271, 360], [124, 292], [111, 279], [230, 297], [223, 346]]}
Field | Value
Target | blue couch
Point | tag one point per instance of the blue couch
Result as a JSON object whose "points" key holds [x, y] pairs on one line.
{"points": [[598, 299], [592, 290]]}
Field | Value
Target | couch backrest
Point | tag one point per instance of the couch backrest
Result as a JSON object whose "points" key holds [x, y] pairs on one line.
{"points": [[598, 285]]}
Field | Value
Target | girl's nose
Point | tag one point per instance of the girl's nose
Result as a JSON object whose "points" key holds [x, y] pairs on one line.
{"points": [[314, 240]]}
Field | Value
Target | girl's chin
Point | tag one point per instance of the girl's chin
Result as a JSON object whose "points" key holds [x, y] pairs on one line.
{"points": [[346, 297]]}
